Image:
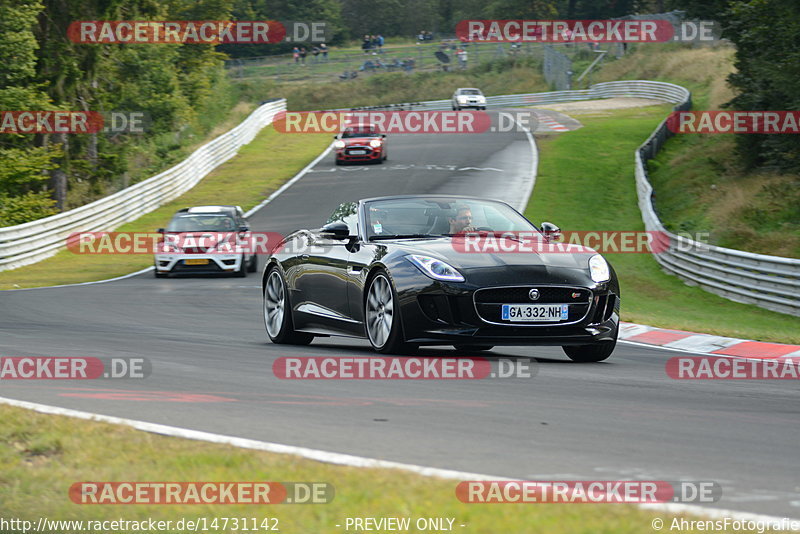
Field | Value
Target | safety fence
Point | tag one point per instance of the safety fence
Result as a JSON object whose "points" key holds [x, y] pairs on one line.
{"points": [[36, 240]]}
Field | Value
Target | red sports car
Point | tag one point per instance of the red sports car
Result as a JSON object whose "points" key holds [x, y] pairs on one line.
{"points": [[360, 143]]}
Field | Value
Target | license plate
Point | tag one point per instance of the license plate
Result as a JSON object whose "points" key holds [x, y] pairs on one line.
{"points": [[196, 262], [358, 152], [525, 313]]}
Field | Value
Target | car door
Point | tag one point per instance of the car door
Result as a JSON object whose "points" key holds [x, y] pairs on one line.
{"points": [[362, 255], [321, 281]]}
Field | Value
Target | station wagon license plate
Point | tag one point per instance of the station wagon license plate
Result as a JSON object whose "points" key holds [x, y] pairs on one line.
{"points": [[525, 313]]}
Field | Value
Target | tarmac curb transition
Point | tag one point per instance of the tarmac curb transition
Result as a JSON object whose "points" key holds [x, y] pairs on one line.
{"points": [[706, 343]]}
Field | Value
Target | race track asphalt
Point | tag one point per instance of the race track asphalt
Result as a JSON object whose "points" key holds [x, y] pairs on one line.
{"points": [[211, 360]]}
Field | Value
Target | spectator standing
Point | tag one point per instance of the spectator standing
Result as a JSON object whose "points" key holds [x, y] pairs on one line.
{"points": [[461, 54], [315, 53], [296, 54], [365, 44], [380, 44], [303, 54], [324, 49]]}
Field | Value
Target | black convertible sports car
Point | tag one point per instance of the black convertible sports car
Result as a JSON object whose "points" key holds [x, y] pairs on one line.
{"points": [[405, 271]]}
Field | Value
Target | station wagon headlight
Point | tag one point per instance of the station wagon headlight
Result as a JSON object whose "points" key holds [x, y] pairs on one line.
{"points": [[436, 269], [375, 143], [338, 144], [598, 267]]}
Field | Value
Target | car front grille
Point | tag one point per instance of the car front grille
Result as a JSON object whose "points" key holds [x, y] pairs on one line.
{"points": [[348, 150], [519, 295], [489, 302]]}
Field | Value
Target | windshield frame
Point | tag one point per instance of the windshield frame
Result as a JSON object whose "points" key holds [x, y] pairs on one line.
{"points": [[364, 206], [187, 216]]}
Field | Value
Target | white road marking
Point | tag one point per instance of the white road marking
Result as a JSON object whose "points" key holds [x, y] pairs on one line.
{"points": [[399, 167], [345, 459]]}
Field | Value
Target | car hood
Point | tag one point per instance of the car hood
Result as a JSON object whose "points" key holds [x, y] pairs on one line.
{"points": [[360, 140], [207, 239], [451, 250]]}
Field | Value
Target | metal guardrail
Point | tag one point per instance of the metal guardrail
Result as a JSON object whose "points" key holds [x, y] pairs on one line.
{"points": [[770, 282], [34, 241]]}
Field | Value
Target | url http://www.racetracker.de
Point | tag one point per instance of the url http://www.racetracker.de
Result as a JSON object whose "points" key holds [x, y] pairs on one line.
{"points": [[110, 526]]}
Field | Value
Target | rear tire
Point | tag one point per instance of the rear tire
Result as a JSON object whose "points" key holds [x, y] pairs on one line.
{"points": [[382, 318], [278, 312]]}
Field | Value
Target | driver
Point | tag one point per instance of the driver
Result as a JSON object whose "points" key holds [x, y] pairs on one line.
{"points": [[462, 222]]}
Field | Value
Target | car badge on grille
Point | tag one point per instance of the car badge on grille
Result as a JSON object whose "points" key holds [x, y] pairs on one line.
{"points": [[576, 295], [533, 294]]}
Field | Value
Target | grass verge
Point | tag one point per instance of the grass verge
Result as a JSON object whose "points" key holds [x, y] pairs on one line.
{"points": [[260, 168], [586, 182], [42, 455], [699, 180], [503, 76]]}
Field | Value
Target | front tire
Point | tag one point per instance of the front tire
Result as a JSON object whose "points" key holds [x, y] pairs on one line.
{"points": [[278, 312], [596, 352], [252, 266], [382, 317], [241, 272]]}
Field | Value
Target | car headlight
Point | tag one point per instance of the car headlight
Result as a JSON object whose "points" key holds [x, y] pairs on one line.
{"points": [[338, 144], [436, 269], [168, 248], [375, 143], [225, 248], [462, 98], [598, 267]]}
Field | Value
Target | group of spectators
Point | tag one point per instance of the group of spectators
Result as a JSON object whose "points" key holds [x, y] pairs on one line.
{"points": [[372, 42], [299, 53], [423, 36]]}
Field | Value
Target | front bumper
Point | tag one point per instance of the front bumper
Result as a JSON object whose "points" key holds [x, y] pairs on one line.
{"points": [[447, 314], [372, 154], [471, 105], [216, 263]]}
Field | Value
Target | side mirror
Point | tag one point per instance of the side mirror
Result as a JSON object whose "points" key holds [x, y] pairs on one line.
{"points": [[160, 231], [244, 229], [551, 231], [383, 135], [335, 230]]}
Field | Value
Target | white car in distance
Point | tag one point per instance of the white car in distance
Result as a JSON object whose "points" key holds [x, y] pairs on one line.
{"points": [[468, 97]]}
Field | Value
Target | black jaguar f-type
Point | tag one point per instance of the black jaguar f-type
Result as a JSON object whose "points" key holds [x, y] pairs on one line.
{"points": [[406, 271]]}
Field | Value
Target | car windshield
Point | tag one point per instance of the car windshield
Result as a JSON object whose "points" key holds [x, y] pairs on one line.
{"points": [[470, 92], [201, 222], [431, 216], [360, 132]]}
